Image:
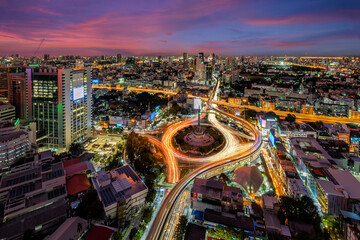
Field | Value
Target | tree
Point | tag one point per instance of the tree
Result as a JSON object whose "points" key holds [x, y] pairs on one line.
{"points": [[133, 234], [90, 206], [249, 113], [147, 214], [181, 228], [76, 146], [291, 118], [225, 178], [302, 209]]}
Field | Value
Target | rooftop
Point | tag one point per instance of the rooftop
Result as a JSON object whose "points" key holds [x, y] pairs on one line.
{"points": [[124, 183], [208, 187], [346, 180]]}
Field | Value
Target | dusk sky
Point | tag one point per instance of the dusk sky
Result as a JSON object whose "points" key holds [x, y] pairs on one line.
{"points": [[166, 27]]}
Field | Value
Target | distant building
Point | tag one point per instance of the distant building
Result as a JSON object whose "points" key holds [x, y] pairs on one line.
{"points": [[121, 192], [79, 64], [118, 58], [46, 57], [60, 105]]}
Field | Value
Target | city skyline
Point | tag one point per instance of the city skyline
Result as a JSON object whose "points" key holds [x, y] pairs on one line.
{"points": [[228, 28]]}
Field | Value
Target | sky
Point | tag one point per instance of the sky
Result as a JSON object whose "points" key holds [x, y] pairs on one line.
{"points": [[170, 27]]}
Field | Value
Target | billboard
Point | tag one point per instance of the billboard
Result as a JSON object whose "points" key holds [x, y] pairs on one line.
{"points": [[344, 137], [95, 81], [152, 116], [157, 109], [272, 138], [197, 104], [78, 93], [262, 122]]}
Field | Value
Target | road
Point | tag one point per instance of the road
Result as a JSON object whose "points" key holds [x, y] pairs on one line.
{"points": [[162, 220], [173, 169]]}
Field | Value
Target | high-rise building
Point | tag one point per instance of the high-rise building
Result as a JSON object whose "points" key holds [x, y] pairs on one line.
{"points": [[4, 83], [46, 57], [18, 94], [201, 56], [60, 105], [209, 71], [118, 57], [200, 68], [185, 59]]}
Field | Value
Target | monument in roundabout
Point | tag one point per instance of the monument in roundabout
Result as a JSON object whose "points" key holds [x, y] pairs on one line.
{"points": [[199, 140]]}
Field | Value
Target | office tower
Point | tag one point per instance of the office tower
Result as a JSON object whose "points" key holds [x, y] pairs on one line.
{"points": [[46, 57], [18, 94], [60, 105], [118, 57]]}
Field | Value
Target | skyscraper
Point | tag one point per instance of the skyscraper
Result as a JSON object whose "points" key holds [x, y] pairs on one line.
{"points": [[201, 56], [118, 58], [60, 105], [46, 57], [185, 59], [18, 94], [200, 68], [209, 71]]}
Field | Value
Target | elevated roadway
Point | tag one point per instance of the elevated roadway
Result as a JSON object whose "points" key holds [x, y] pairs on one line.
{"points": [[161, 222]]}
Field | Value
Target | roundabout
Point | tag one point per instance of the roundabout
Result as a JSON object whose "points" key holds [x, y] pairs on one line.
{"points": [[199, 141]]}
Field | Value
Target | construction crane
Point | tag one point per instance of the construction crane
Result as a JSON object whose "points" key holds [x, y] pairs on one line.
{"points": [[41, 42]]}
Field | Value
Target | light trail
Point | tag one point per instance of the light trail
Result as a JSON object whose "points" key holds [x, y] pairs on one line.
{"points": [[173, 169], [164, 214]]}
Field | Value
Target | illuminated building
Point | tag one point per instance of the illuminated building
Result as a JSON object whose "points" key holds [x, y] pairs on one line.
{"points": [[209, 71], [14, 144], [200, 68], [60, 105]]}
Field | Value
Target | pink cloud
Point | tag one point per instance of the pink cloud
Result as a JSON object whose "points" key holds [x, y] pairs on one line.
{"points": [[351, 15]]}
